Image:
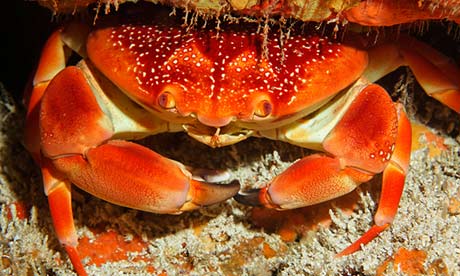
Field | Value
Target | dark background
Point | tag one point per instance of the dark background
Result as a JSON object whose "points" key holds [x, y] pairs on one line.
{"points": [[24, 28]]}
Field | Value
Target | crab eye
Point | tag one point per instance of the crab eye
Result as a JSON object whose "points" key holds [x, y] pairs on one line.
{"points": [[263, 109], [166, 100]]}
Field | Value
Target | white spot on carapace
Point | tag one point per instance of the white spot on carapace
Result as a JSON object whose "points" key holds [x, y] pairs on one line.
{"points": [[292, 100]]}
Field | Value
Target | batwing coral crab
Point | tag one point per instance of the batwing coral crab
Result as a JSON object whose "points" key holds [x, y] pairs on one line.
{"points": [[221, 87]]}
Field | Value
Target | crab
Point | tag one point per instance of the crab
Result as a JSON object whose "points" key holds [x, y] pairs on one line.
{"points": [[221, 86]]}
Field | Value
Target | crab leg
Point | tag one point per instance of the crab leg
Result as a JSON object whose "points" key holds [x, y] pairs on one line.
{"points": [[60, 204], [53, 59], [392, 185], [436, 73], [359, 147], [74, 145]]}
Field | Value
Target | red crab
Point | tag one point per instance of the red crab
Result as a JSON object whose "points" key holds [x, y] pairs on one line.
{"points": [[221, 87]]}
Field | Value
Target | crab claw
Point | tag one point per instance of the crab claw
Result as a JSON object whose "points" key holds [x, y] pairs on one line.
{"points": [[359, 147], [75, 134], [131, 175], [326, 180], [157, 185]]}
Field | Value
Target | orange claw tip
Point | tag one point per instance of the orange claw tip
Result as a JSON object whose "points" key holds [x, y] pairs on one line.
{"points": [[204, 194]]}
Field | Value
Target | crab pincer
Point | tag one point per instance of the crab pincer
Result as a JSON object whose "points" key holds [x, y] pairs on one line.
{"points": [[356, 148]]}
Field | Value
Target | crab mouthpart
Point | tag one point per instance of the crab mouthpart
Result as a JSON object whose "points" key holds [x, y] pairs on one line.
{"points": [[217, 137]]}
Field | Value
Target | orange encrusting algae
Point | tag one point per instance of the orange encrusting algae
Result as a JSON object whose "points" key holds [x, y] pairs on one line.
{"points": [[424, 137], [110, 246], [409, 262], [268, 251]]}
